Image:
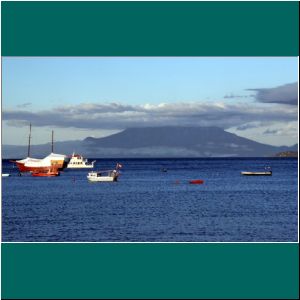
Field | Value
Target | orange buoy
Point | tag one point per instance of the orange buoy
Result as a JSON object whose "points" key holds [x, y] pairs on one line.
{"points": [[196, 181]]}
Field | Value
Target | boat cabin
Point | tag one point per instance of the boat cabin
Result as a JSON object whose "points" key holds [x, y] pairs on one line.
{"points": [[110, 175]]}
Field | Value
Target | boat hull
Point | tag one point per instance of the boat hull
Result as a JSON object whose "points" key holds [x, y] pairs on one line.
{"points": [[256, 173], [51, 174], [102, 179], [31, 168], [80, 167]]}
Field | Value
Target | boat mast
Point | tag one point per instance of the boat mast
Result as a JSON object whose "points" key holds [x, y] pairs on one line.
{"points": [[29, 138], [52, 141]]}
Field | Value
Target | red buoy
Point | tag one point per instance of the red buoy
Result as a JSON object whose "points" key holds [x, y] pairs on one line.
{"points": [[196, 181]]}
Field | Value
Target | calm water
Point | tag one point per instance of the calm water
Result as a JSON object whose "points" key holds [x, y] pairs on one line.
{"points": [[148, 205]]}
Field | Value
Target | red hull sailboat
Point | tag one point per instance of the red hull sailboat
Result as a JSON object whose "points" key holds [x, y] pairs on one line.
{"points": [[29, 164]]}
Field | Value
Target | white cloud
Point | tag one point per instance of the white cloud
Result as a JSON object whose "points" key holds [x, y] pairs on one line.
{"points": [[118, 116]]}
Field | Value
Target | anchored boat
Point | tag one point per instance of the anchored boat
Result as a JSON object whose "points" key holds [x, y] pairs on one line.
{"points": [[103, 176], [196, 181], [267, 172], [33, 165], [78, 162], [29, 164]]}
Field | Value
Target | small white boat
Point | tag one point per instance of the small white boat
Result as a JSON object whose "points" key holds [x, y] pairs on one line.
{"points": [[266, 173], [5, 175], [78, 162], [103, 176]]}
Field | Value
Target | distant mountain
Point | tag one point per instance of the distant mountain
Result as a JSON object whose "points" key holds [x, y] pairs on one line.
{"points": [[293, 148], [158, 142]]}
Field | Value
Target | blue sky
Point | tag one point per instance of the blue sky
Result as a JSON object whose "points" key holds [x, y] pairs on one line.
{"points": [[141, 86]]}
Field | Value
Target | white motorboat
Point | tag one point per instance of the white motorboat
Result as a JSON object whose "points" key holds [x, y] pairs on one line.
{"points": [[78, 162], [266, 173], [103, 176], [5, 175]]}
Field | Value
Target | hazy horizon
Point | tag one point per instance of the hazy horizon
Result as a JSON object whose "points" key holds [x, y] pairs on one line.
{"points": [[82, 139]]}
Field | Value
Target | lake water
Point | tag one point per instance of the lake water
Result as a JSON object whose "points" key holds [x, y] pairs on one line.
{"points": [[147, 205]]}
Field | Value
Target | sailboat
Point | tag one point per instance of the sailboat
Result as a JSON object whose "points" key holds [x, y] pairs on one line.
{"points": [[28, 164], [21, 163]]}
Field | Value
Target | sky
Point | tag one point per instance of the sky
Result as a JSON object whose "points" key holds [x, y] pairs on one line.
{"points": [[77, 97]]}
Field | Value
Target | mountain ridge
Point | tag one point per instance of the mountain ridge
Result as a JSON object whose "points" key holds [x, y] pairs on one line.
{"points": [[165, 141]]}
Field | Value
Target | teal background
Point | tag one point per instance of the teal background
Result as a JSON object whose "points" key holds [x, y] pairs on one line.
{"points": [[150, 28], [150, 270]]}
